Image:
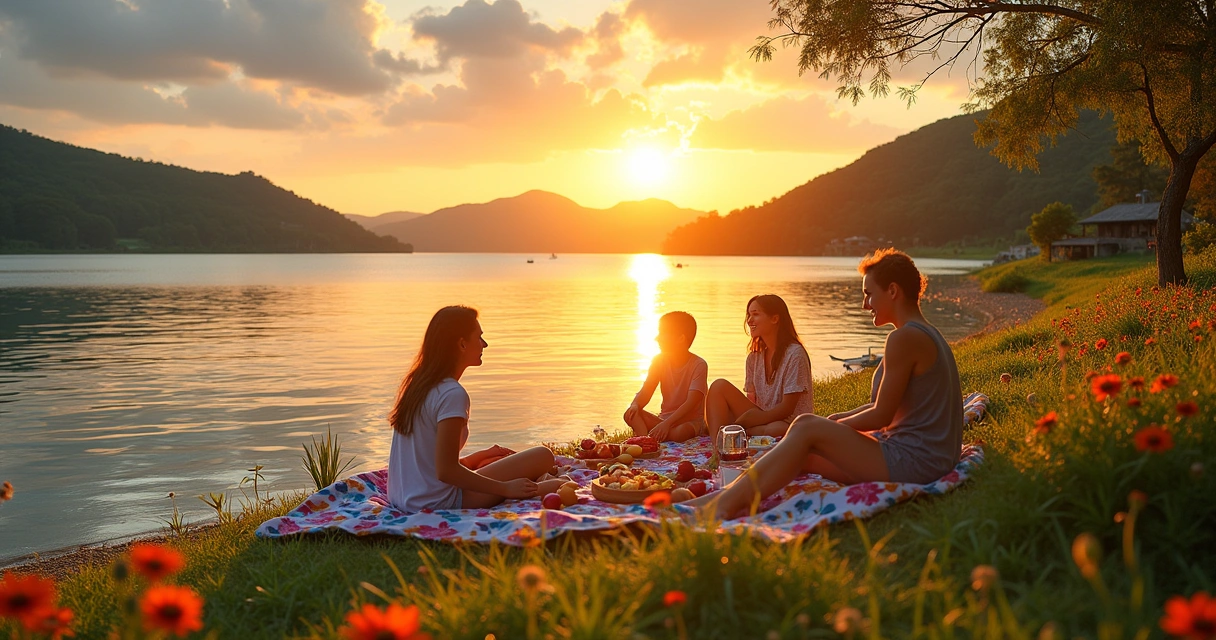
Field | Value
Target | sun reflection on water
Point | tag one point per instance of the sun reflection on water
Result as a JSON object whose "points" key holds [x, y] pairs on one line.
{"points": [[648, 270]]}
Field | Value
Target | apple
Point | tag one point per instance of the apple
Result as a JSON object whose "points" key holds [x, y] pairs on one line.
{"points": [[588, 444], [685, 471], [567, 495], [551, 501], [680, 494], [698, 488], [703, 474]]}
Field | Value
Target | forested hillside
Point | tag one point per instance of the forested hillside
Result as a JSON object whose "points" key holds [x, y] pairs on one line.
{"points": [[55, 196], [926, 188]]}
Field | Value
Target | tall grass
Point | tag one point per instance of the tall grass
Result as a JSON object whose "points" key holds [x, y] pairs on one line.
{"points": [[323, 460]]}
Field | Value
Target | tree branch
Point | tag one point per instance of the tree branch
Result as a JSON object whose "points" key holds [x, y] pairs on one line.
{"points": [[1147, 89]]}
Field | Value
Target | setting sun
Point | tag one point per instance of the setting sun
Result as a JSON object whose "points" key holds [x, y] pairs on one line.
{"points": [[648, 166]]}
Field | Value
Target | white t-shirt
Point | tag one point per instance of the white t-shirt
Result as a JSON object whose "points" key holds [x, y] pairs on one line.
{"points": [[412, 482], [793, 375]]}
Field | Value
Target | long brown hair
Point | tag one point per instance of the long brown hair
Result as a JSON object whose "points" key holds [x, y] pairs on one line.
{"points": [[773, 305], [435, 361]]}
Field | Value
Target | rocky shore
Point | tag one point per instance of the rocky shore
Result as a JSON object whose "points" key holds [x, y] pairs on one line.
{"points": [[997, 310]]}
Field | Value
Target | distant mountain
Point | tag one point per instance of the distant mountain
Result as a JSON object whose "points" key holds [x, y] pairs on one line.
{"points": [[543, 222], [928, 187], [371, 223], [56, 196]]}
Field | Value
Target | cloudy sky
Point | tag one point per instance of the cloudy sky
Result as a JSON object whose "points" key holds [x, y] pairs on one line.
{"points": [[369, 106]]}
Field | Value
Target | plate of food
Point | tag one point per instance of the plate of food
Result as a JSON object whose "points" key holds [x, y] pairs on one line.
{"points": [[756, 444], [624, 485], [648, 447], [591, 450]]}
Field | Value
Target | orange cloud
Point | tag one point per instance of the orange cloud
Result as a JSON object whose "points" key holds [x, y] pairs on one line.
{"points": [[786, 124]]}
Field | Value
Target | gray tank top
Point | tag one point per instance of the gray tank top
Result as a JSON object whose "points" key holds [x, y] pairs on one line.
{"points": [[925, 438]]}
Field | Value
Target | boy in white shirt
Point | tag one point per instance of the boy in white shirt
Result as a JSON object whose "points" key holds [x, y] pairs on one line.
{"points": [[683, 378]]}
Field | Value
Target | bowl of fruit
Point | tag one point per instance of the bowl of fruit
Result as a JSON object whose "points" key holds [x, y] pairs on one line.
{"points": [[649, 447], [635, 447], [624, 485]]}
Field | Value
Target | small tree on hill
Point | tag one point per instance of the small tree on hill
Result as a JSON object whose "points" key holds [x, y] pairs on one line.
{"points": [[1049, 225], [1151, 64]]}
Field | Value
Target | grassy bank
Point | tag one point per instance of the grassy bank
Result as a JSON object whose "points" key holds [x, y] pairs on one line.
{"points": [[908, 572]]}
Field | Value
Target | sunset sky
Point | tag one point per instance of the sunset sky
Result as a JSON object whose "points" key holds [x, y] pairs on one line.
{"points": [[369, 106]]}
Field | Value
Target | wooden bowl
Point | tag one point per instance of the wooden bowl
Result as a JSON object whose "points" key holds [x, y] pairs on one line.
{"points": [[620, 496]]}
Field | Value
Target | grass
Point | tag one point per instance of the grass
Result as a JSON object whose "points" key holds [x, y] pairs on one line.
{"points": [[907, 572]]}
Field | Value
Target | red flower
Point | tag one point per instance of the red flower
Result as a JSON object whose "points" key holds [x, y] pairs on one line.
{"points": [[1133, 402], [1194, 620], [56, 624], [1155, 439], [1123, 357], [1187, 409], [1198, 338], [1135, 383], [156, 562], [1150, 341], [178, 610], [674, 598], [657, 500], [1100, 344], [1107, 386], [1163, 382], [1044, 425], [394, 623], [1194, 324], [28, 598]]}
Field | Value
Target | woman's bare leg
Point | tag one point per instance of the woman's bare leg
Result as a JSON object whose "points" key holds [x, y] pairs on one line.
{"points": [[857, 455], [682, 432], [643, 421], [724, 403], [529, 463], [777, 428]]}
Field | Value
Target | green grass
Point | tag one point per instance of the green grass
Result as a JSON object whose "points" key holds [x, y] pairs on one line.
{"points": [[908, 570]]}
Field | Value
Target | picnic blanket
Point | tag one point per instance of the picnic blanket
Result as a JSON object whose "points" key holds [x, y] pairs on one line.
{"points": [[359, 504]]}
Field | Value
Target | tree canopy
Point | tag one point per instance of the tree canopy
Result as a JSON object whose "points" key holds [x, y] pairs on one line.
{"points": [[1150, 64], [1051, 224]]}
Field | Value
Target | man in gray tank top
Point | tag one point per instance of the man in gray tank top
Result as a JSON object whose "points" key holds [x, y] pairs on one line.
{"points": [[910, 431]]}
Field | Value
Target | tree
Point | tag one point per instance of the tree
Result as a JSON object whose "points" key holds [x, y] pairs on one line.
{"points": [[1127, 175], [1049, 225], [1151, 63]]}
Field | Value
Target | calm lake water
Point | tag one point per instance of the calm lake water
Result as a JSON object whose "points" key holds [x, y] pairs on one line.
{"points": [[123, 378]]}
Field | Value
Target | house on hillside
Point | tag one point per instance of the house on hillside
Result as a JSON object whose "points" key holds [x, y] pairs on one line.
{"points": [[1123, 228]]}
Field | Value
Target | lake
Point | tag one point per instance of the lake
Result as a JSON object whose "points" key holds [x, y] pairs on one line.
{"points": [[125, 377]]}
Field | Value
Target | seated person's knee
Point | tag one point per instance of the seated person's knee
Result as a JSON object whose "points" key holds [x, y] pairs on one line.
{"points": [[719, 385]]}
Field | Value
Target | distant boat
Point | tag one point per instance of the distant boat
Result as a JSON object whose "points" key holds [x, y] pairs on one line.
{"points": [[860, 362], [553, 256], [529, 260]]}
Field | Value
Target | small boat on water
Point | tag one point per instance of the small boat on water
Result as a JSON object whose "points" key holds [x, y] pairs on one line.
{"points": [[529, 260], [553, 256], [871, 359]]}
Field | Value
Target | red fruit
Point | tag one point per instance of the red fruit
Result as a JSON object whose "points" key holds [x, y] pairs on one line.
{"points": [[685, 471], [603, 451], [588, 444], [702, 474], [614, 449], [698, 488], [551, 501]]}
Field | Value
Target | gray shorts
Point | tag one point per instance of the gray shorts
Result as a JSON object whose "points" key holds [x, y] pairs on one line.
{"points": [[908, 465]]}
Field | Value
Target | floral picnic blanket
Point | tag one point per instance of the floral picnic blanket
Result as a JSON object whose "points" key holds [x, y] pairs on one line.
{"points": [[359, 504]]}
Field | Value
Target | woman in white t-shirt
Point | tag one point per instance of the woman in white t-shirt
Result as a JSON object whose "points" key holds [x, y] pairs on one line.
{"points": [[430, 421], [777, 386]]}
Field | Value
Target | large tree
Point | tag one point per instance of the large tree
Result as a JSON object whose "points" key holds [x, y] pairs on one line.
{"points": [[1151, 63]]}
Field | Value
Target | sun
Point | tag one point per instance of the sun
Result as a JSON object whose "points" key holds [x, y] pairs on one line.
{"points": [[648, 166]]}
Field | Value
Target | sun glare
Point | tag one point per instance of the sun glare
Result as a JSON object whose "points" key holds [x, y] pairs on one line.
{"points": [[648, 165], [648, 270]]}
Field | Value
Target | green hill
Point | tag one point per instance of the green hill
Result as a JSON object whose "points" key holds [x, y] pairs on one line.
{"points": [[59, 197], [926, 188]]}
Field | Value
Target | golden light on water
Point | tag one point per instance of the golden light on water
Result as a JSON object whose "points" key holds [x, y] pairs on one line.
{"points": [[648, 270]]}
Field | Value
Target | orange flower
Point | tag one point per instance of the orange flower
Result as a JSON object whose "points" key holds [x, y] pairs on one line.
{"points": [[55, 624], [1198, 338], [657, 500], [1133, 402], [674, 598], [1044, 425], [1100, 344], [394, 623], [1107, 386], [26, 598], [1136, 383], [1155, 439], [156, 562], [178, 610], [1150, 342], [1194, 620], [1123, 357], [1187, 409], [1194, 324], [1163, 382]]}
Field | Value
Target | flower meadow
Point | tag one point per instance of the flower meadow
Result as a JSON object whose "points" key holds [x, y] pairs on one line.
{"points": [[1093, 516]]}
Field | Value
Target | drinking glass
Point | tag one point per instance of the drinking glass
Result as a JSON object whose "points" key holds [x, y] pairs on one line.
{"points": [[731, 443]]}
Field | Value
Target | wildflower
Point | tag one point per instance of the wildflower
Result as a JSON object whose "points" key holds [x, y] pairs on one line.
{"points": [[1148, 342], [1137, 499], [848, 620], [6, 491], [1107, 386], [1133, 402], [1090, 375], [1187, 409], [56, 623], [393, 623], [803, 620], [1100, 344], [674, 598], [983, 577], [26, 598], [1194, 620], [1006, 378], [1032, 398], [1136, 383], [1198, 338], [1196, 470], [1087, 553], [531, 578], [1155, 439], [1163, 382], [1194, 324], [1051, 631], [658, 500], [178, 610], [156, 562], [1044, 425], [1123, 357]]}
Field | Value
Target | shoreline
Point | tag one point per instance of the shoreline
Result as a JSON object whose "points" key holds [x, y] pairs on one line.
{"points": [[997, 310]]}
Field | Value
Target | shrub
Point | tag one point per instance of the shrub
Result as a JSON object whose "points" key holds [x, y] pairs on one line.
{"points": [[1012, 281]]}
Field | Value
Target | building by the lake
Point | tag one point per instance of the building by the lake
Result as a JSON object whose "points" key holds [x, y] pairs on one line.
{"points": [[1123, 228]]}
